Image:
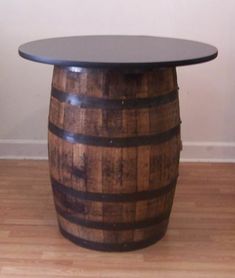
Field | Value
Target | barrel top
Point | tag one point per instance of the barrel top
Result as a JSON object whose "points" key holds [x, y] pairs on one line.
{"points": [[117, 51]]}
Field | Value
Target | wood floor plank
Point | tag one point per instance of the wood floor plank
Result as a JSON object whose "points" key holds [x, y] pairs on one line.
{"points": [[200, 242]]}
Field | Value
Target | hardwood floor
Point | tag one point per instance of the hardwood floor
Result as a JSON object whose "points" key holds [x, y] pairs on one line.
{"points": [[200, 241]]}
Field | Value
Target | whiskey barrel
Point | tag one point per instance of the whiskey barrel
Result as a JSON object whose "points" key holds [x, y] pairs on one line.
{"points": [[114, 144]]}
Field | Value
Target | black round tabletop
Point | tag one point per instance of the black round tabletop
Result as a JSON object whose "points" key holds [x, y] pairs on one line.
{"points": [[117, 51]]}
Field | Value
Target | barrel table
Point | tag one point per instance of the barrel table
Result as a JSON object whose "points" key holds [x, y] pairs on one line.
{"points": [[114, 134]]}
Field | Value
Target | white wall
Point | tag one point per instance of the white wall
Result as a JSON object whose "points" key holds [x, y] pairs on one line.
{"points": [[207, 90]]}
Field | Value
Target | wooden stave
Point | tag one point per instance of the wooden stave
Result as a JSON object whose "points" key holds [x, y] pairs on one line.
{"points": [[111, 236]]}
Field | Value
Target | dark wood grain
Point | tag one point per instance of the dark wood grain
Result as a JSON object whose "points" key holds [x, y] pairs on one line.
{"points": [[110, 197]]}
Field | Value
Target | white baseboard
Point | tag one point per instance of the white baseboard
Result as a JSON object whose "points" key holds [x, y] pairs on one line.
{"points": [[192, 151], [23, 149], [208, 152]]}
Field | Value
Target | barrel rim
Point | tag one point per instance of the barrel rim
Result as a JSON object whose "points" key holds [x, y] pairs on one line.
{"points": [[83, 101], [114, 247], [114, 197], [121, 142], [113, 226]]}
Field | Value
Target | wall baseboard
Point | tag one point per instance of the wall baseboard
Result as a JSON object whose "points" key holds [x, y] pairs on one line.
{"points": [[208, 152], [192, 151], [23, 149]]}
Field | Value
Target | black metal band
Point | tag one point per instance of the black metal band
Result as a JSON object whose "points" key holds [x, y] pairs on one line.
{"points": [[94, 102], [152, 139], [110, 197], [113, 247], [112, 226]]}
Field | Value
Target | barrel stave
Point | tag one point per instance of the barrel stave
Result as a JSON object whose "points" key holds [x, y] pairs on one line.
{"points": [[114, 143]]}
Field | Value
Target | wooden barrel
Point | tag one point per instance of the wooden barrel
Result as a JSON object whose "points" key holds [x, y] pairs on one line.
{"points": [[114, 144]]}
